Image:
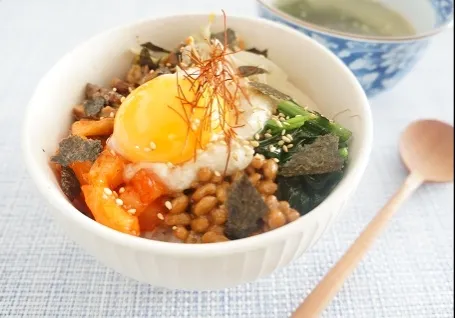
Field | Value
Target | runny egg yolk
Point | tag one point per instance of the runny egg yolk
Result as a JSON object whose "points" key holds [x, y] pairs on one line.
{"points": [[153, 125]]}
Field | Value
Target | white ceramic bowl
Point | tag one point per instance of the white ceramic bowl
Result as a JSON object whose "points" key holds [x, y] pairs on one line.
{"points": [[311, 67]]}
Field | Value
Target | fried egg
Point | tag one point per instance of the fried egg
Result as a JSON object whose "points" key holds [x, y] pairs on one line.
{"points": [[154, 125], [154, 130]]}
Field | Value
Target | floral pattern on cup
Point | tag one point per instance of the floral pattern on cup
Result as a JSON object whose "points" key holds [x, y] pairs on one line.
{"points": [[377, 65]]}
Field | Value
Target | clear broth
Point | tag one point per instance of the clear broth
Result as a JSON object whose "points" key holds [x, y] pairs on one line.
{"points": [[363, 17]]}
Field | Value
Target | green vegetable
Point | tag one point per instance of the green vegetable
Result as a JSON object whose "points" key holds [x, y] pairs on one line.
{"points": [[289, 108], [344, 153], [303, 127]]}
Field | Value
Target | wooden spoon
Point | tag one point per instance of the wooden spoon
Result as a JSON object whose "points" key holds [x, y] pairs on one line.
{"points": [[426, 148]]}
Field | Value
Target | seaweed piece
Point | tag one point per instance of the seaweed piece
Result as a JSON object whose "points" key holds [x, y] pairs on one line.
{"points": [[69, 183], [254, 50], [111, 98], [92, 107], [304, 193], [231, 37], [245, 208], [246, 71], [154, 48], [321, 156], [292, 190], [146, 59], [269, 91], [76, 148]]}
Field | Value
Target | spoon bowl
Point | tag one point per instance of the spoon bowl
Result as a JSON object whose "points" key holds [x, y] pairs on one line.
{"points": [[426, 148]]}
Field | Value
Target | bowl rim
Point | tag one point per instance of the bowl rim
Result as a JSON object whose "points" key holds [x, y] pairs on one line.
{"points": [[353, 36], [340, 194]]}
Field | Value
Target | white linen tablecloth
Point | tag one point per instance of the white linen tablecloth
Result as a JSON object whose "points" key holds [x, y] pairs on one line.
{"points": [[409, 273]]}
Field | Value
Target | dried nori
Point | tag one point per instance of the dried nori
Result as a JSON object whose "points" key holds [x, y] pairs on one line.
{"points": [[111, 98], [321, 156], [269, 91], [92, 107], [76, 148], [247, 70], [231, 37], [70, 184], [254, 50], [304, 193], [154, 48], [146, 59], [245, 209]]}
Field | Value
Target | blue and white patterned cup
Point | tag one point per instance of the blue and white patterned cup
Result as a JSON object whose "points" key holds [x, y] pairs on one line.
{"points": [[378, 62]]}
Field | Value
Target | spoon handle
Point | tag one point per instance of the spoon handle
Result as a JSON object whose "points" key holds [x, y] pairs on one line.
{"points": [[324, 292]]}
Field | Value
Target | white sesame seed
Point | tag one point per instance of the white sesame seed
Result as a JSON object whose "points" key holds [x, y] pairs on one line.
{"points": [[283, 132], [279, 124], [281, 142], [216, 173], [122, 99], [298, 116], [289, 136], [114, 89], [254, 143], [132, 211], [285, 148], [121, 190], [174, 228], [281, 114], [286, 123], [257, 136], [287, 117], [267, 135], [152, 145], [168, 205], [101, 118], [107, 191], [130, 89], [160, 216], [105, 197], [269, 131], [282, 119], [119, 201], [272, 148], [111, 114], [169, 164], [276, 160], [137, 147], [193, 127], [290, 146]]}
